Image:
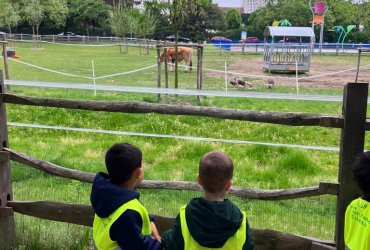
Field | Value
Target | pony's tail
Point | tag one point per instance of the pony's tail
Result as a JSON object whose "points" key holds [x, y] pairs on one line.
{"points": [[191, 64]]}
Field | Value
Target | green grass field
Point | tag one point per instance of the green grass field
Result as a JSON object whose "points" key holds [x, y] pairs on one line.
{"points": [[164, 159]]}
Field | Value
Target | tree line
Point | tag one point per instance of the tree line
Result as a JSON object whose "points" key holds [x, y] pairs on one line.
{"points": [[194, 19]]}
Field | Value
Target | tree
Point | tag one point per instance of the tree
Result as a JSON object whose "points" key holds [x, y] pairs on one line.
{"points": [[194, 25], [161, 12], [57, 11], [177, 20], [119, 20], [87, 15], [9, 16], [134, 17], [233, 19], [33, 12], [147, 24], [215, 18]]}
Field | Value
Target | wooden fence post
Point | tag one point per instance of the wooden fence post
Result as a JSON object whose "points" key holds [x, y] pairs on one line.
{"points": [[159, 69], [7, 226], [352, 144], [201, 68], [165, 67], [5, 57], [198, 70]]}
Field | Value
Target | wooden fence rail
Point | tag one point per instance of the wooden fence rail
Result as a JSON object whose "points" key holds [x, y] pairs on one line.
{"points": [[246, 193], [282, 118], [84, 215], [353, 123]]}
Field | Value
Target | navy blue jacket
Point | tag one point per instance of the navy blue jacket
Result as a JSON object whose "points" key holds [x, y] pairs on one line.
{"points": [[105, 199]]}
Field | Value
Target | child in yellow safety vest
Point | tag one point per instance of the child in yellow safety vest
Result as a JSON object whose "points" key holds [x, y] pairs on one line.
{"points": [[357, 218], [121, 221], [211, 222]]}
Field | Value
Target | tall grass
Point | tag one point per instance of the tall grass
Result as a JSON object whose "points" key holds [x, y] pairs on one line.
{"points": [[164, 158]]}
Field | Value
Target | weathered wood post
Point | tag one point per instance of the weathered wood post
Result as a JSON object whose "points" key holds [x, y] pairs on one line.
{"points": [[201, 67], [165, 67], [198, 64], [159, 68], [5, 56], [352, 144], [7, 226]]}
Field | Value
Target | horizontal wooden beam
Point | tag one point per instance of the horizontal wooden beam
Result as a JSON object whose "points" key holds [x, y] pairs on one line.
{"points": [[247, 193], [84, 215], [329, 188], [50, 168], [282, 118], [56, 211]]}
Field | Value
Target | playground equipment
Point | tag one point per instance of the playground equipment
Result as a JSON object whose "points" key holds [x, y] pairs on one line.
{"points": [[285, 56], [341, 30], [319, 10], [284, 22]]}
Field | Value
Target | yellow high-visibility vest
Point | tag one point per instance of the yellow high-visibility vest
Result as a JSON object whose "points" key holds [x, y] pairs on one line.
{"points": [[235, 242], [101, 226], [357, 225]]}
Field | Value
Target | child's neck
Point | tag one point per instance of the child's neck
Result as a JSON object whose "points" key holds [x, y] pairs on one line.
{"points": [[130, 185], [214, 197]]}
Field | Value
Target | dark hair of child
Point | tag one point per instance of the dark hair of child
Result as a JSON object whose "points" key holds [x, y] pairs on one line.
{"points": [[121, 161], [361, 172], [215, 170]]}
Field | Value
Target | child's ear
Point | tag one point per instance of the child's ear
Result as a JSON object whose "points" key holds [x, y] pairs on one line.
{"points": [[199, 182], [138, 172], [228, 185]]}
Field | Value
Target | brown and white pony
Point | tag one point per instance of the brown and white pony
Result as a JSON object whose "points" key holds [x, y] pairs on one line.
{"points": [[183, 53]]}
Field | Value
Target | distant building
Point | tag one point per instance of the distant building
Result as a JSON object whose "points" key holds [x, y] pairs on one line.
{"points": [[250, 6], [139, 4], [225, 9]]}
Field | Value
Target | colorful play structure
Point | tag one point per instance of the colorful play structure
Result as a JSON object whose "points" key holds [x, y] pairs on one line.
{"points": [[341, 31], [319, 10]]}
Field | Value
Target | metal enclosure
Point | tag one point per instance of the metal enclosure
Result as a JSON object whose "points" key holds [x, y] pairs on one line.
{"points": [[292, 51]]}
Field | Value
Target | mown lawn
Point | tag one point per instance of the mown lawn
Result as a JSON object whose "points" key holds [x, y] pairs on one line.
{"points": [[263, 167]]}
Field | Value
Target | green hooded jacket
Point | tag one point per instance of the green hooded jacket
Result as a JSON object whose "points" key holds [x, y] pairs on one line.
{"points": [[210, 223]]}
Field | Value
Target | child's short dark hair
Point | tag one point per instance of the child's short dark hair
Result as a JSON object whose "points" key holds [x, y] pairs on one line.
{"points": [[361, 172], [215, 170], [121, 161]]}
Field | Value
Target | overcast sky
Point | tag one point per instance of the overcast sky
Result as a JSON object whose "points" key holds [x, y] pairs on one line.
{"points": [[229, 3]]}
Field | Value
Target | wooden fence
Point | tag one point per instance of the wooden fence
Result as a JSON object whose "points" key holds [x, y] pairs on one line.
{"points": [[352, 122], [198, 47]]}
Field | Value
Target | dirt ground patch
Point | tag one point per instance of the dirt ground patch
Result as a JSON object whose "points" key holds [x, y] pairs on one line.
{"points": [[330, 73]]}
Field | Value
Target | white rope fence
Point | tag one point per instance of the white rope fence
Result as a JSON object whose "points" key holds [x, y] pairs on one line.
{"points": [[85, 77], [85, 45], [276, 77], [222, 72], [191, 138]]}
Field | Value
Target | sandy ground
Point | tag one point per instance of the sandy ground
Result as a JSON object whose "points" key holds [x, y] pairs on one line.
{"points": [[334, 80]]}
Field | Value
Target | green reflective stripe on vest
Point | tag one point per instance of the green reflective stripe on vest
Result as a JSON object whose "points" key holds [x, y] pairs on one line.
{"points": [[102, 226], [357, 225], [235, 242]]}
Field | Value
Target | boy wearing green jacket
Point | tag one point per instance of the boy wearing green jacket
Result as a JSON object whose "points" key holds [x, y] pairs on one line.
{"points": [[211, 222]]}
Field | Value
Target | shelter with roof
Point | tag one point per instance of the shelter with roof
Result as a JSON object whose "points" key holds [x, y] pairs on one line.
{"points": [[288, 48]]}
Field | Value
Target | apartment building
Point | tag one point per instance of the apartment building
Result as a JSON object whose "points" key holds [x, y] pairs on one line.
{"points": [[139, 4], [250, 6]]}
